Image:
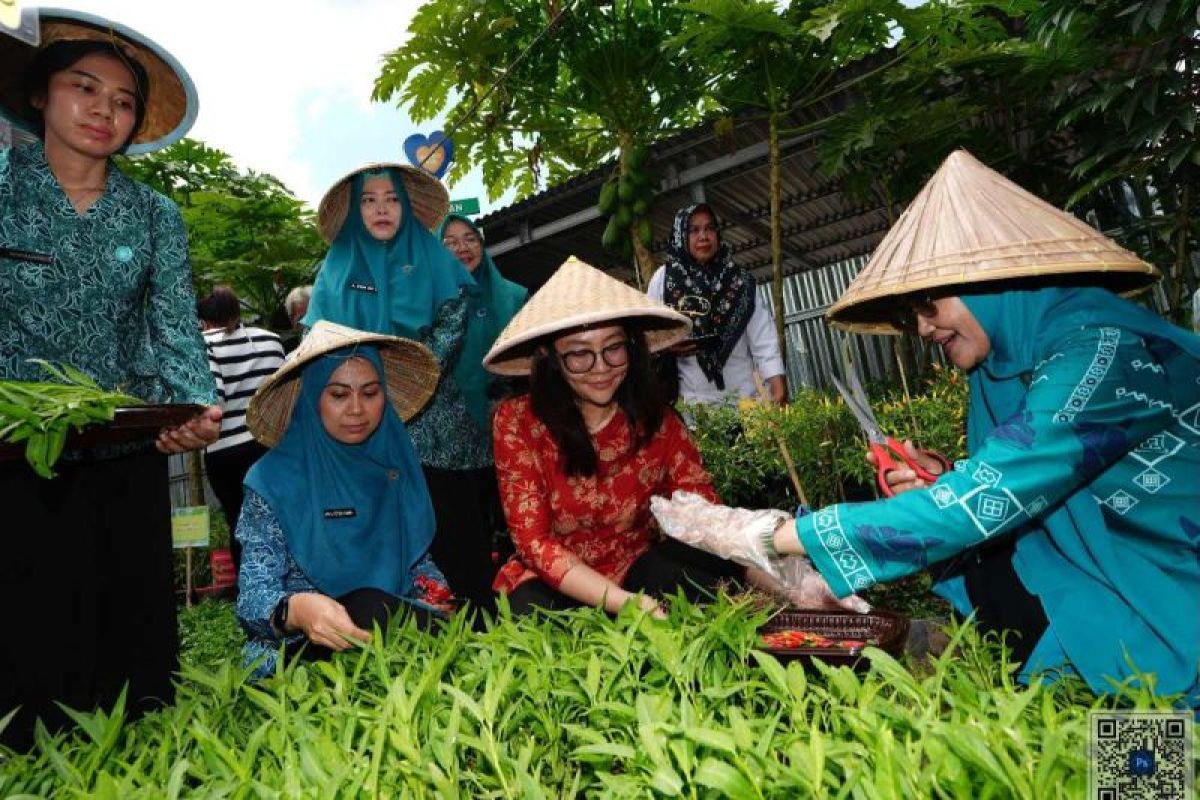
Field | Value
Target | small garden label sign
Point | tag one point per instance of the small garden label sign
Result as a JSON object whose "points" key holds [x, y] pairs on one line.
{"points": [[189, 526]]}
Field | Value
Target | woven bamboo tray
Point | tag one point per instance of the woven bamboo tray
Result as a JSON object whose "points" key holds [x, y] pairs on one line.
{"points": [[883, 629]]}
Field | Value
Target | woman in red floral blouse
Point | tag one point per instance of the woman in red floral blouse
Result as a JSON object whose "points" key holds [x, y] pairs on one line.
{"points": [[580, 456]]}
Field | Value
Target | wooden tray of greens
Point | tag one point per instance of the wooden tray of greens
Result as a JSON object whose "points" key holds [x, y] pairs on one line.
{"points": [[38, 421]]}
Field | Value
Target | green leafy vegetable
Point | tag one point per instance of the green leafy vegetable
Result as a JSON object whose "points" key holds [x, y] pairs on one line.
{"points": [[41, 414]]}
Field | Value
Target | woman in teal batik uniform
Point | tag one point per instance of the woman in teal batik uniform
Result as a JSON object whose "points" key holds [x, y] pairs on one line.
{"points": [[495, 301], [1075, 521], [387, 273], [94, 273]]}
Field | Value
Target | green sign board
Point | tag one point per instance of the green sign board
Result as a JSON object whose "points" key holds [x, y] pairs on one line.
{"points": [[189, 526], [468, 205]]}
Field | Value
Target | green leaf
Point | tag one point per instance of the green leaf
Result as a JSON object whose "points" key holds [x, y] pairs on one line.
{"points": [[726, 779]]}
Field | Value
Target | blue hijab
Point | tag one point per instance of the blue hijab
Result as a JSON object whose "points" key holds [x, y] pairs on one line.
{"points": [[394, 287], [489, 309], [1024, 326], [355, 516]]}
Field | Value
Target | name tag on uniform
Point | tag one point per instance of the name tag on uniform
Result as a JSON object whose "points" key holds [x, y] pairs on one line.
{"points": [[15, 254], [363, 287], [340, 513]]}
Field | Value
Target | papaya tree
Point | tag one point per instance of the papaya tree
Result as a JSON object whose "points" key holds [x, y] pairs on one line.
{"points": [[538, 90], [772, 60]]}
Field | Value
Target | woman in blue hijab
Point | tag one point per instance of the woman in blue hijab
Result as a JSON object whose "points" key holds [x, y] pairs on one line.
{"points": [[337, 520], [494, 302], [1074, 523], [386, 272]]}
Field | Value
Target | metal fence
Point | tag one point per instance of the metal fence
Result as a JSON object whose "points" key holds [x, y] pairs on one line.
{"points": [[814, 348], [177, 466]]}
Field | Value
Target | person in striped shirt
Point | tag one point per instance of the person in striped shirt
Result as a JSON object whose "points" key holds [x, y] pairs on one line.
{"points": [[240, 358]]}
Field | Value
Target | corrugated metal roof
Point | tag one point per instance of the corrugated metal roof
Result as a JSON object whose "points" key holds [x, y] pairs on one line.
{"points": [[821, 224]]}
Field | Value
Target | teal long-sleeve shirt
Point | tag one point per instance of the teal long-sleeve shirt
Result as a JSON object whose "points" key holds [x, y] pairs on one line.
{"points": [[1100, 419], [108, 291]]}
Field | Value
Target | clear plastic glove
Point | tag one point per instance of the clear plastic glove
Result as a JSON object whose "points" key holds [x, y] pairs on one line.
{"points": [[735, 534], [798, 582]]}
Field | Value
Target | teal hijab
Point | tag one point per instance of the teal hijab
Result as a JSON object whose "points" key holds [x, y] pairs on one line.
{"points": [[1078, 578], [495, 302], [354, 516], [394, 287]]}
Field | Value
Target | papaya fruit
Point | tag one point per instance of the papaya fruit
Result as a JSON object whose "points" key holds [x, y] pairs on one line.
{"points": [[645, 232], [608, 197], [626, 189], [614, 235]]}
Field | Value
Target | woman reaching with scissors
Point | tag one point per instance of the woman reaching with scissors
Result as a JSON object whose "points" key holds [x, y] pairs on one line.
{"points": [[1075, 521]]}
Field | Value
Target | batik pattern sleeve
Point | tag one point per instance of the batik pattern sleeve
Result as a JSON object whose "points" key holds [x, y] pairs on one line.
{"points": [[524, 494], [262, 579], [686, 470], [1087, 406], [171, 312]]}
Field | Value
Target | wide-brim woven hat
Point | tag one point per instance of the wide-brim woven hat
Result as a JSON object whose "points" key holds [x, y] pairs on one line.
{"points": [[171, 105], [426, 195], [410, 372], [579, 295], [971, 225]]}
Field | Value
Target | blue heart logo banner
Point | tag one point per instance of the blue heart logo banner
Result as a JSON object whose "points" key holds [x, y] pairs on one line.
{"points": [[432, 153]]}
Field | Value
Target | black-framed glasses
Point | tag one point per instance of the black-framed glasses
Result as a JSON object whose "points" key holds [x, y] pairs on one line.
{"points": [[577, 362], [909, 307]]}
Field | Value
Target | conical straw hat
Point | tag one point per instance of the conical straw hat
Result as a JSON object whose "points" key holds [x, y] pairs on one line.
{"points": [[171, 105], [970, 224], [410, 372], [426, 195], [578, 295]]}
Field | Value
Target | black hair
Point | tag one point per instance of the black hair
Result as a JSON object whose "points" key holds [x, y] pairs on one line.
{"points": [[220, 307], [553, 402], [59, 56]]}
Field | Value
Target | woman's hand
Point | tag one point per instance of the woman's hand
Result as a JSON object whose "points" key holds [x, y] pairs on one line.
{"points": [[904, 479], [648, 603], [198, 432], [323, 620]]}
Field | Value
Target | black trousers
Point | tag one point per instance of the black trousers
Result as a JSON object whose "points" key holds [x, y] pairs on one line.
{"points": [[226, 470], [467, 506], [367, 608], [667, 567], [1002, 603], [86, 580]]}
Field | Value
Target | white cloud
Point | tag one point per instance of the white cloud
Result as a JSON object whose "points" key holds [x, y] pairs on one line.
{"points": [[266, 69]]}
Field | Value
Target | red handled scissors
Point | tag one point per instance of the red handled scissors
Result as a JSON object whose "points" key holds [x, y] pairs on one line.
{"points": [[886, 449]]}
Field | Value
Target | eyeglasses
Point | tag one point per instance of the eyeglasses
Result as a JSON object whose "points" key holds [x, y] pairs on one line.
{"points": [[468, 241], [693, 306], [577, 362], [904, 315]]}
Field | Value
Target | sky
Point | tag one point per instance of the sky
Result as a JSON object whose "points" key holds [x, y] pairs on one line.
{"points": [[285, 85]]}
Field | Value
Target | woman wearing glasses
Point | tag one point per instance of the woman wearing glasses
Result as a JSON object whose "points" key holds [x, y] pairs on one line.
{"points": [[733, 335], [579, 457]]}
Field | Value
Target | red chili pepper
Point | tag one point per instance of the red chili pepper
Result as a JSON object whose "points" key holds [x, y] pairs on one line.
{"points": [[791, 639]]}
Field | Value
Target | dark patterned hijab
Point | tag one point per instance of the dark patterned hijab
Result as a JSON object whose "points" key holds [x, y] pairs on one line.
{"points": [[720, 288]]}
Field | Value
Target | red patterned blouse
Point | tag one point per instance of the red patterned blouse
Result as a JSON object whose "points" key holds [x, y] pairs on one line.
{"points": [[603, 521]]}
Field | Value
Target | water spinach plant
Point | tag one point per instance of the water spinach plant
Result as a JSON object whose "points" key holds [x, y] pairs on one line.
{"points": [[40, 415], [578, 704]]}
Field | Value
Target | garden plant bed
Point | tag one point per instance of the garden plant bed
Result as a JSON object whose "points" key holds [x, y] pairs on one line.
{"points": [[577, 704]]}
